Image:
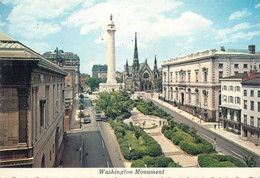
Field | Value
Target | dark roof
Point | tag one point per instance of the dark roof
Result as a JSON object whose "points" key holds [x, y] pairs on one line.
{"points": [[237, 76], [252, 81]]}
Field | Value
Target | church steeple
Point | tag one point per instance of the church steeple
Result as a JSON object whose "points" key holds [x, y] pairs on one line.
{"points": [[155, 70], [135, 50], [126, 67]]}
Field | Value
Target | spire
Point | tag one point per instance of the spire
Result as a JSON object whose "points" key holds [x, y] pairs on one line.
{"points": [[126, 67], [155, 70], [155, 61], [135, 50], [111, 17]]}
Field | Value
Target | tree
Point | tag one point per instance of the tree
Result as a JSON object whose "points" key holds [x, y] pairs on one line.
{"points": [[81, 96], [93, 82], [158, 83], [81, 107], [80, 116], [250, 161], [137, 134], [119, 80]]}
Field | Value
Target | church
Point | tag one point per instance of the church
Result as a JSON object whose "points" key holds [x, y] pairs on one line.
{"points": [[139, 76]]}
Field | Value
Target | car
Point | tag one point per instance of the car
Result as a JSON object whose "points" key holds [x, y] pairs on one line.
{"points": [[87, 120], [98, 111], [86, 114]]}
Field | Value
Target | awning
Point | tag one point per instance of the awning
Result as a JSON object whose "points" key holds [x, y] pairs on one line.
{"points": [[230, 106]]}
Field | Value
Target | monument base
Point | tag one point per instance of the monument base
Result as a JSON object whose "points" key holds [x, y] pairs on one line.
{"points": [[111, 86]]}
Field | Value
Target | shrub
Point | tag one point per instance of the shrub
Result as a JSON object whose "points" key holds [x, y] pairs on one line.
{"points": [[120, 140], [170, 134], [205, 160], [184, 127], [189, 148], [162, 161], [173, 164], [119, 129], [149, 161], [136, 154], [126, 153], [138, 163], [154, 150], [164, 128], [119, 135], [192, 132], [176, 139]]}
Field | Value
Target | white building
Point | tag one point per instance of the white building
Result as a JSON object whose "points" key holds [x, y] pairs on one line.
{"points": [[251, 110], [194, 80]]}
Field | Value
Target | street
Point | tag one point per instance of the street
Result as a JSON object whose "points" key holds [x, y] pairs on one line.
{"points": [[222, 145]]}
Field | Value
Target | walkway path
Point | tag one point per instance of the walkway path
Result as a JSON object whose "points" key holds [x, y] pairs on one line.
{"points": [[168, 148]]}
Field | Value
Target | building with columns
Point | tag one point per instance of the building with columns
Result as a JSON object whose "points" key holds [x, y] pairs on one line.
{"points": [[193, 81], [32, 110]]}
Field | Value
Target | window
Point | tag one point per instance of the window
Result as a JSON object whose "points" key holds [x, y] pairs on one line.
{"points": [[236, 72], [245, 92], [230, 99], [68, 73], [245, 66], [164, 76], [224, 98], [237, 100], [225, 88], [258, 93], [235, 66], [258, 106], [220, 65], [176, 76], [252, 105], [230, 88], [197, 76], [258, 122], [252, 93], [245, 119], [189, 77], [245, 104], [205, 76], [252, 120], [220, 74], [171, 76], [237, 88], [189, 96], [205, 95], [68, 83], [42, 103]]}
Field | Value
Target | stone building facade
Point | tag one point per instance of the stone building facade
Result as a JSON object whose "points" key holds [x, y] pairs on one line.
{"points": [[99, 71], [32, 108], [83, 79], [251, 112], [193, 81], [139, 76]]}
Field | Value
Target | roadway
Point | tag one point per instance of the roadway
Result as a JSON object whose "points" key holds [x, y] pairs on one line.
{"points": [[223, 145]]}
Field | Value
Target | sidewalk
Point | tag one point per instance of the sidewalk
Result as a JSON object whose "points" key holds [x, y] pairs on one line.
{"points": [[210, 125]]}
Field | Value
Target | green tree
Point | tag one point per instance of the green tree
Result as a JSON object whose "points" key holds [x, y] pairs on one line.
{"points": [[81, 96], [119, 80], [81, 107], [158, 83], [93, 82], [137, 134], [80, 116], [250, 161]]}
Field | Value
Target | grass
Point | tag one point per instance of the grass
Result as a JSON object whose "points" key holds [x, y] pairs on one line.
{"points": [[130, 138]]}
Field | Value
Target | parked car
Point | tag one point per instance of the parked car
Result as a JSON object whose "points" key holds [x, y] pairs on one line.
{"points": [[86, 114], [87, 120], [98, 111]]}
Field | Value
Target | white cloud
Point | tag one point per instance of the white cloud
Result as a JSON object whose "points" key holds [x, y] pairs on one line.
{"points": [[225, 33], [187, 43], [258, 5], [238, 32], [29, 18], [240, 14], [144, 17]]}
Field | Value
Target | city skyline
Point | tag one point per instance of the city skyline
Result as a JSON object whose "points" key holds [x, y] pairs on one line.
{"points": [[167, 29]]}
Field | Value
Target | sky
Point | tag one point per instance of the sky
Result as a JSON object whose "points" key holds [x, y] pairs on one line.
{"points": [[165, 28]]}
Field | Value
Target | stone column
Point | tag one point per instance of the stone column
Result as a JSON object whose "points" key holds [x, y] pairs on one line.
{"points": [[111, 75]]}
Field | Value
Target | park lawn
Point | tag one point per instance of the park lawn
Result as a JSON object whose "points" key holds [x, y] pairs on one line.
{"points": [[187, 137], [130, 138]]}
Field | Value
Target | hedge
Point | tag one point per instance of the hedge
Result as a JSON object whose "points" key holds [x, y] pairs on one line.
{"points": [[138, 163], [206, 160]]}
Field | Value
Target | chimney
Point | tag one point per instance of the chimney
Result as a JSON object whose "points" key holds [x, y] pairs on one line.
{"points": [[222, 48], [251, 48]]}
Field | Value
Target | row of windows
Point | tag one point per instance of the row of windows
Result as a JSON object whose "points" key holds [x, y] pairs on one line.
{"points": [[252, 121], [231, 88], [236, 66], [252, 105], [231, 99], [252, 93]]}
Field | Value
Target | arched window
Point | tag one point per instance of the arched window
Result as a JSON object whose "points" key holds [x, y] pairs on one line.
{"points": [[146, 75]]}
